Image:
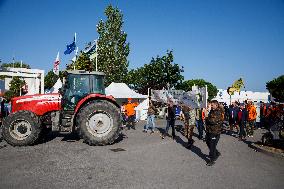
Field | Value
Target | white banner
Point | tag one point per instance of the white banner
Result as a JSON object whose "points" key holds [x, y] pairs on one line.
{"points": [[195, 99]]}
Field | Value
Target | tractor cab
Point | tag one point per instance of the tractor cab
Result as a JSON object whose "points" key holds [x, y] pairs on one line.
{"points": [[78, 84]]}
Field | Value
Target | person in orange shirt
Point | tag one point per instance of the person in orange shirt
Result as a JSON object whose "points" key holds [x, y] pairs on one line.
{"points": [[251, 118], [130, 113]]}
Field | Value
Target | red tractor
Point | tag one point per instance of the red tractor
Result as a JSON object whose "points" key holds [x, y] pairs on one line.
{"points": [[81, 106]]}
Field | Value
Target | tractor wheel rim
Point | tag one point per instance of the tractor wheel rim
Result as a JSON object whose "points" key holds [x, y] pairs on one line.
{"points": [[20, 129], [100, 124]]}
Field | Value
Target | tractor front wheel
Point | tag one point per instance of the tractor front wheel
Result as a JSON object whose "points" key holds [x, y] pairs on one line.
{"points": [[21, 128], [99, 122]]}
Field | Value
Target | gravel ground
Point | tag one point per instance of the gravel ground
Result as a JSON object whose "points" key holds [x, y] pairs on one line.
{"points": [[145, 161]]}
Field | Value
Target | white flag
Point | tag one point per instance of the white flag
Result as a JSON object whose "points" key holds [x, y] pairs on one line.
{"points": [[76, 53], [56, 65]]}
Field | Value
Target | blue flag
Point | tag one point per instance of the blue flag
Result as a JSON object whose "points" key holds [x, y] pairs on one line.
{"points": [[70, 48]]}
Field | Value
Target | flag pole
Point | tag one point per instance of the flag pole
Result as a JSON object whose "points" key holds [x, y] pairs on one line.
{"points": [[76, 50], [21, 79], [97, 55]]}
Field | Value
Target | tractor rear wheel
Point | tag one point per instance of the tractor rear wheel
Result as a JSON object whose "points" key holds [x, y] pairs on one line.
{"points": [[21, 128], [99, 122]]}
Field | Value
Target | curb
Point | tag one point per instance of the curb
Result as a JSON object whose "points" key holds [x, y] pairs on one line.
{"points": [[267, 152]]}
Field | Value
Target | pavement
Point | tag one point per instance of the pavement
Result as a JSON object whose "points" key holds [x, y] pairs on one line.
{"points": [[138, 160]]}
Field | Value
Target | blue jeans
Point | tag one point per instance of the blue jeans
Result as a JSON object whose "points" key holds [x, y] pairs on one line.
{"points": [[150, 121], [199, 125]]}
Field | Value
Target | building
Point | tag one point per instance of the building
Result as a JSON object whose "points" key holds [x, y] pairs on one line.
{"points": [[256, 97], [34, 79]]}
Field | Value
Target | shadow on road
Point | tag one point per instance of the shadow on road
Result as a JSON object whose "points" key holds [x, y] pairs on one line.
{"points": [[73, 137], [120, 138], [193, 148]]}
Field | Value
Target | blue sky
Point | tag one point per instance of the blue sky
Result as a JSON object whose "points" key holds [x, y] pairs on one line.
{"points": [[217, 40]]}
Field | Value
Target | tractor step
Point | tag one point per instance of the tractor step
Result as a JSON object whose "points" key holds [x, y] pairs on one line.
{"points": [[66, 121], [66, 130]]}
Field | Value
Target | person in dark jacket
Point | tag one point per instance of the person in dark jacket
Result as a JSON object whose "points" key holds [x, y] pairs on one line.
{"points": [[171, 116], [213, 130], [242, 121]]}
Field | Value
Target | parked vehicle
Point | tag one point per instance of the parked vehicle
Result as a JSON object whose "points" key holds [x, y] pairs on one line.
{"points": [[81, 106]]}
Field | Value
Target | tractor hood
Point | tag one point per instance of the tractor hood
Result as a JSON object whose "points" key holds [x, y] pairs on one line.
{"points": [[38, 104]]}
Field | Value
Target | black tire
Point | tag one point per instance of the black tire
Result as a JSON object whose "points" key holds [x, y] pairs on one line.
{"points": [[87, 130], [25, 122]]}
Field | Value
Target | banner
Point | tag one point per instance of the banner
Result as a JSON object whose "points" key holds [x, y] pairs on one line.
{"points": [[196, 98]]}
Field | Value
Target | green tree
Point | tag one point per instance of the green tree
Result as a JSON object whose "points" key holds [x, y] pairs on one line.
{"points": [[160, 73], [16, 85], [83, 62], [8, 95], [187, 86], [276, 88], [15, 65], [51, 78], [112, 46]]}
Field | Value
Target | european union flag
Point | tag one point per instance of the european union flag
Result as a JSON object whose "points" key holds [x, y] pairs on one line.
{"points": [[70, 48]]}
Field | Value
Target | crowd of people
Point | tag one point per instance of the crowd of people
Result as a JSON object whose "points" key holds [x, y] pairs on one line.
{"points": [[241, 118]]}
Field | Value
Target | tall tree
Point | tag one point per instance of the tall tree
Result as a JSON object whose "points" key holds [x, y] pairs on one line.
{"points": [[187, 86], [276, 88], [82, 62], [160, 73], [112, 46]]}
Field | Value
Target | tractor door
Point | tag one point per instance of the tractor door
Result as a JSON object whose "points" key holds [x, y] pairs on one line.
{"points": [[77, 87]]}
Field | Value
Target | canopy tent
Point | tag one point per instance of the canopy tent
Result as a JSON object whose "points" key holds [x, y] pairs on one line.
{"points": [[121, 90]]}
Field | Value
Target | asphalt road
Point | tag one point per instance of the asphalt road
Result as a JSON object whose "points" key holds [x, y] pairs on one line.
{"points": [[146, 161]]}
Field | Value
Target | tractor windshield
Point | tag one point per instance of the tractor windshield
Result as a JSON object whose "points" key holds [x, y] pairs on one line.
{"points": [[80, 85]]}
